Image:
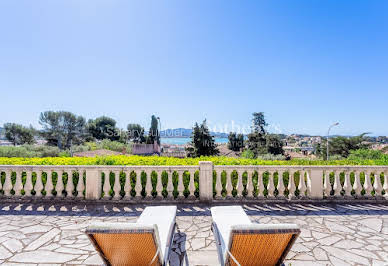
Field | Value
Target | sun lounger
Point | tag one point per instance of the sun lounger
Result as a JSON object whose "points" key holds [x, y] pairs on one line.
{"points": [[146, 242], [241, 242]]}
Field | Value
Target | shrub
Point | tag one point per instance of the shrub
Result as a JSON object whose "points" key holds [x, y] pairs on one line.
{"points": [[156, 160], [114, 146], [29, 151], [336, 157], [270, 156], [43, 150], [109, 145], [365, 154], [80, 148], [248, 154], [12, 151]]}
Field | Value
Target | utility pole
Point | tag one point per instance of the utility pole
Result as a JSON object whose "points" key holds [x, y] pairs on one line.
{"points": [[327, 140]]}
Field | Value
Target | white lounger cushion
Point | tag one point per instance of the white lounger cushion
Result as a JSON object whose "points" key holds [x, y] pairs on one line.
{"points": [[164, 218], [263, 227], [225, 217]]}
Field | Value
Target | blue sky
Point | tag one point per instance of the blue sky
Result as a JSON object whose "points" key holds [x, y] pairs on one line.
{"points": [[306, 64]]}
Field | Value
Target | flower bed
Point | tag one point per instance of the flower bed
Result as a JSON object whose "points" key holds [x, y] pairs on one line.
{"points": [[155, 160]]}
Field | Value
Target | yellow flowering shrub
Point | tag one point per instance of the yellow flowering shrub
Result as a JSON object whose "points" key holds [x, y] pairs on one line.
{"points": [[156, 160]]}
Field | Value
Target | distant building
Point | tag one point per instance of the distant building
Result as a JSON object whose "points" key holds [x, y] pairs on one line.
{"points": [[5, 143], [299, 149], [2, 133]]}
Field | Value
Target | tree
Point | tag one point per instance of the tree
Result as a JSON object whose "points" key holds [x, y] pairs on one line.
{"points": [[153, 134], [256, 139], [256, 143], [62, 129], [365, 154], [103, 128], [274, 144], [136, 133], [259, 141], [342, 146], [202, 143], [236, 142], [259, 123], [19, 134]]}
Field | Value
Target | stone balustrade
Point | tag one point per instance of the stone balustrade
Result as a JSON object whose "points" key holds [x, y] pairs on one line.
{"points": [[203, 182], [301, 182]]}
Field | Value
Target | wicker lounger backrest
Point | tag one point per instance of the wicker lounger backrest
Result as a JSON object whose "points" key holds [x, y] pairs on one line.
{"points": [[258, 244], [127, 246]]}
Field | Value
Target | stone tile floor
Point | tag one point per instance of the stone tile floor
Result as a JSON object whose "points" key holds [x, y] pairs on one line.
{"points": [[332, 234]]}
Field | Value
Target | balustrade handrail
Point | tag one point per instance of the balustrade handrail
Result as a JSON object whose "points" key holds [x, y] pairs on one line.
{"points": [[100, 166], [305, 167], [272, 167], [204, 182]]}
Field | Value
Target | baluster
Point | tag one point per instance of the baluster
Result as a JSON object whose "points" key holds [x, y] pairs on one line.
{"points": [[291, 185], [81, 185], [7, 187], [280, 186], [28, 185], [249, 184], [39, 183], [127, 186], [159, 185], [170, 185], [106, 187], [377, 184], [385, 184], [260, 184], [367, 184], [70, 184], [302, 185], [347, 184], [270, 186], [18, 183], [181, 186], [148, 187], [326, 184], [192, 185], [337, 184], [357, 187], [117, 186], [240, 186], [218, 185], [49, 187], [138, 186], [59, 187], [1, 171], [309, 183], [229, 186]]}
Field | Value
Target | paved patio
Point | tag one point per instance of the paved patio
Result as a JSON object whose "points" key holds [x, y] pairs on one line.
{"points": [[332, 234]]}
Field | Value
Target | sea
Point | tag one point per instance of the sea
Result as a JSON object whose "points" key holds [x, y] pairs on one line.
{"points": [[183, 141]]}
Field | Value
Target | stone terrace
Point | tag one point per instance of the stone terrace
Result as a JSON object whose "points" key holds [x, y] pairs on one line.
{"points": [[332, 234]]}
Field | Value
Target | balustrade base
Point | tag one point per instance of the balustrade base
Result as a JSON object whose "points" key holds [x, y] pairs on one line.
{"points": [[153, 201]]}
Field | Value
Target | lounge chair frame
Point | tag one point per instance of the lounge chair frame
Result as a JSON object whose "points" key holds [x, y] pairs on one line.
{"points": [[168, 247], [295, 233]]}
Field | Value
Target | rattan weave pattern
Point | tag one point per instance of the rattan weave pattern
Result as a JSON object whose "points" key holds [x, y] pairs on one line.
{"points": [[128, 249], [258, 249]]}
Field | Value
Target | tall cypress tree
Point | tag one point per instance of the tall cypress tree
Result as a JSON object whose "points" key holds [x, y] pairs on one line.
{"points": [[202, 142], [153, 134]]}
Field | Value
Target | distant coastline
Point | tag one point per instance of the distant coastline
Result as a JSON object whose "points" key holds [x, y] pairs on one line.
{"points": [[186, 140], [186, 133]]}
